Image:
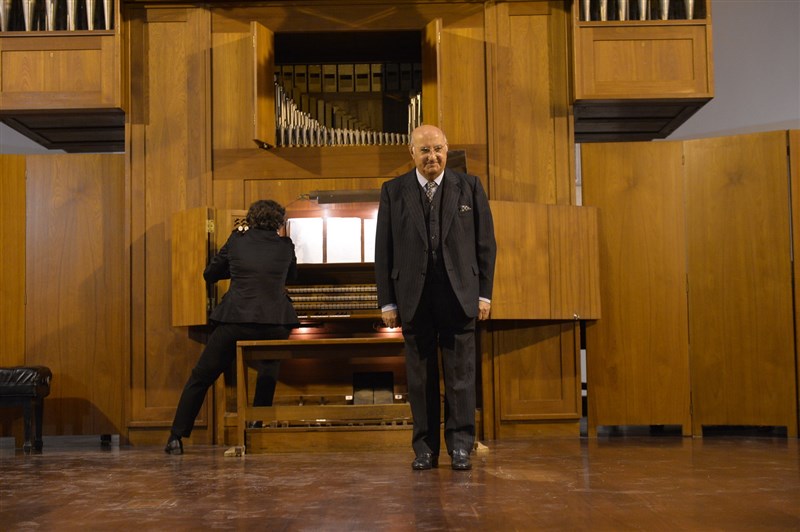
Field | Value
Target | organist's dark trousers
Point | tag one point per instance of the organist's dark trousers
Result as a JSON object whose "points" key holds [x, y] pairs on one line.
{"points": [[218, 355], [441, 323]]}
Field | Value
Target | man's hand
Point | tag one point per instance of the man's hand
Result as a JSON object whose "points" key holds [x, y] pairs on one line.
{"points": [[483, 310], [390, 318]]}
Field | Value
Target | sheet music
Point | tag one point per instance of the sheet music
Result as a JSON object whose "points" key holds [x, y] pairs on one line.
{"points": [[370, 224], [306, 233], [344, 240]]}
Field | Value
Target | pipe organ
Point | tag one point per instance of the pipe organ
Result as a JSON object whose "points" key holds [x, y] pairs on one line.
{"points": [[304, 120]]}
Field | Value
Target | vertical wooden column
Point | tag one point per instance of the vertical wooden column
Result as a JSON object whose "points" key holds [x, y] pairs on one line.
{"points": [[533, 364], [170, 151]]}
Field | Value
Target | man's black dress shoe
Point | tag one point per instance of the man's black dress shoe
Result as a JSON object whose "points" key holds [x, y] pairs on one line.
{"points": [[174, 446], [460, 460], [425, 461]]}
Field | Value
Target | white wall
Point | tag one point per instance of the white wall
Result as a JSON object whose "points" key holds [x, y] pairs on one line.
{"points": [[13, 142], [756, 70]]}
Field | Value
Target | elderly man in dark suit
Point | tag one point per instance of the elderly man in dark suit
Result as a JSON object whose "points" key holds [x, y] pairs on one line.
{"points": [[434, 263]]}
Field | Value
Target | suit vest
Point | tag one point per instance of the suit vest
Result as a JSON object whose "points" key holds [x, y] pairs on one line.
{"points": [[433, 224]]}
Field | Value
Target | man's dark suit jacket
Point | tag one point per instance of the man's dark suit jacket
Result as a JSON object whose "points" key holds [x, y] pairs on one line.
{"points": [[258, 262], [401, 244]]}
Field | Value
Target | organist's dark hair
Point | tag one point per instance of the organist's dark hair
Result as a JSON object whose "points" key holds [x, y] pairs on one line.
{"points": [[266, 214]]}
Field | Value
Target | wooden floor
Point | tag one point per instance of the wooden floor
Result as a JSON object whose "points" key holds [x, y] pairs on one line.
{"points": [[745, 482]]}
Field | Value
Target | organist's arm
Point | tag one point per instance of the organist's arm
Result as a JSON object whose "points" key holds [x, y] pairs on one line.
{"points": [[291, 275], [219, 267]]}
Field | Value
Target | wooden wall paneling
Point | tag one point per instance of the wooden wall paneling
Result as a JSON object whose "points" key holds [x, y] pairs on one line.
{"points": [[229, 194], [536, 378], [171, 173], [637, 355], [741, 322], [325, 161], [77, 318], [793, 141], [522, 162], [12, 259]]}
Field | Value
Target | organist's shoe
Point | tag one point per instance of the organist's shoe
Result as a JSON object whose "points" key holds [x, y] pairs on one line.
{"points": [[425, 461], [174, 445]]}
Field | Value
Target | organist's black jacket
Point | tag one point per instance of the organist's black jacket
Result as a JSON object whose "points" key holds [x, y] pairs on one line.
{"points": [[258, 262]]}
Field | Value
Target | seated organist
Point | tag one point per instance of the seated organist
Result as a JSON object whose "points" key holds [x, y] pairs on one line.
{"points": [[258, 261]]}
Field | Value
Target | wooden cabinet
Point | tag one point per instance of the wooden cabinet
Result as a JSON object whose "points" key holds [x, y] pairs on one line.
{"points": [[639, 80], [696, 262], [63, 89]]}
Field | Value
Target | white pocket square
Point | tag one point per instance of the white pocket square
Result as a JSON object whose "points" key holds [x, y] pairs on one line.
{"points": [[464, 208]]}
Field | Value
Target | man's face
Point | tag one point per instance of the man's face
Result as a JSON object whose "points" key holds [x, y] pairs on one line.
{"points": [[429, 151]]}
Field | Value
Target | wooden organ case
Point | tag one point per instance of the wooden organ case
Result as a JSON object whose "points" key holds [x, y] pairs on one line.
{"points": [[342, 383]]}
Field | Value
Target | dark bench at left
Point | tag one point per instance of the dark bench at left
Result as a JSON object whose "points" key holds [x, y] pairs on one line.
{"points": [[27, 386]]}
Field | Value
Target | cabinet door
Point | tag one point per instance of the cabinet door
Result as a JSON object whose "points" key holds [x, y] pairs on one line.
{"points": [[547, 262], [536, 378], [197, 234], [431, 50], [637, 355], [740, 281], [263, 61], [191, 248]]}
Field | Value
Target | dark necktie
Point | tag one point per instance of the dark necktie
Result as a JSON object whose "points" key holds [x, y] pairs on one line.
{"points": [[430, 190]]}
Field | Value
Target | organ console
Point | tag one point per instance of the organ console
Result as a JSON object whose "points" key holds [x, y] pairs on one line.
{"points": [[342, 378]]}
